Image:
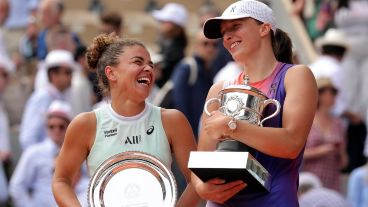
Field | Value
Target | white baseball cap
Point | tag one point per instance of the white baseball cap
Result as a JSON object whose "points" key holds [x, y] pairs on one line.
{"points": [[172, 12], [333, 37], [60, 109], [238, 10], [59, 58]]}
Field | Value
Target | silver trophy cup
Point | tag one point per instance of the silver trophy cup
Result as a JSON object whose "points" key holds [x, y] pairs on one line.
{"points": [[232, 159]]}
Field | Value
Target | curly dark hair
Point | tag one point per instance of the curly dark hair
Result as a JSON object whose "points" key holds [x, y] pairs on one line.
{"points": [[105, 50]]}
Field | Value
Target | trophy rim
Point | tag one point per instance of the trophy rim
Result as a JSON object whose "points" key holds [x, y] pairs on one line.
{"points": [[131, 160]]}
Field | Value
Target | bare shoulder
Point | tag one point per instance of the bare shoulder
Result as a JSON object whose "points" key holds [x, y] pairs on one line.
{"points": [[83, 126], [175, 123], [300, 75], [298, 70], [171, 116], [84, 120]]}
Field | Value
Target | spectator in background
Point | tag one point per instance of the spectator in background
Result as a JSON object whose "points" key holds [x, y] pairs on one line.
{"points": [[357, 192], [28, 42], [205, 12], [192, 79], [111, 22], [30, 184], [82, 97], [312, 193], [59, 66], [50, 13], [325, 152], [319, 17], [353, 21], [20, 13], [172, 37], [4, 11], [4, 194], [58, 38], [6, 70], [334, 47]]}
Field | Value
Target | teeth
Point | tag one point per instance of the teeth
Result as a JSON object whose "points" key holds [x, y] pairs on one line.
{"points": [[234, 44], [145, 80]]}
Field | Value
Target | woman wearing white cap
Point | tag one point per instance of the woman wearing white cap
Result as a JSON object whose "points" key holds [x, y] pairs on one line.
{"points": [[6, 70], [264, 52], [30, 184], [125, 71], [172, 38]]}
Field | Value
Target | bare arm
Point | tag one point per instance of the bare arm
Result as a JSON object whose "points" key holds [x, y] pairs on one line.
{"points": [[298, 113], [74, 151], [182, 140]]}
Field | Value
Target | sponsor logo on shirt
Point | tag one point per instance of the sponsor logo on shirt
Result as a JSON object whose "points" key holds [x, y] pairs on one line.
{"points": [[150, 130], [135, 139], [111, 132]]}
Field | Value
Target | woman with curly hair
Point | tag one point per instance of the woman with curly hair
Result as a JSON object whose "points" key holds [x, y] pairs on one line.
{"points": [[125, 72]]}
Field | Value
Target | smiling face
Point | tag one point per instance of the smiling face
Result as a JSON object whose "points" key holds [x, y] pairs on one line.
{"points": [[134, 75], [56, 128], [241, 37]]}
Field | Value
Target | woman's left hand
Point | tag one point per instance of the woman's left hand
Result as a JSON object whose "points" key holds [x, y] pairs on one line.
{"points": [[216, 125]]}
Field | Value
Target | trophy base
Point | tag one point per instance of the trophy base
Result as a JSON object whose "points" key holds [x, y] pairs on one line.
{"points": [[230, 166], [233, 146]]}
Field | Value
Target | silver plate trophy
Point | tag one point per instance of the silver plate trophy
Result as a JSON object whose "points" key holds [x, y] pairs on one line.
{"points": [[234, 160], [132, 179]]}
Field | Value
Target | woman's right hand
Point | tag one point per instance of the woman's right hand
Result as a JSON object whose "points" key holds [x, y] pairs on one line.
{"points": [[217, 190], [216, 125]]}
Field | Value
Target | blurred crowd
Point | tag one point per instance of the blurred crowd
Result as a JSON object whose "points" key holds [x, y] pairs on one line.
{"points": [[45, 82]]}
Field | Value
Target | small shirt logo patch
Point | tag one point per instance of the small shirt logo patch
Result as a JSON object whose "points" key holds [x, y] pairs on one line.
{"points": [[150, 130], [111, 132]]}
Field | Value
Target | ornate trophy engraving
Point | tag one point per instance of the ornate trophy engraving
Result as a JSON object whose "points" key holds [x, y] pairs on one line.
{"points": [[132, 179], [234, 160]]}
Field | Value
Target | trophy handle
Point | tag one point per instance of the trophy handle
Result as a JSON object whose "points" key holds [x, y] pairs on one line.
{"points": [[208, 102], [271, 101]]}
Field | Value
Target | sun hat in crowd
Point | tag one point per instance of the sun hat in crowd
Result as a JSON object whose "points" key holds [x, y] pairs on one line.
{"points": [[238, 10], [324, 82], [172, 12], [332, 37], [60, 58], [7, 65], [310, 179], [60, 109]]}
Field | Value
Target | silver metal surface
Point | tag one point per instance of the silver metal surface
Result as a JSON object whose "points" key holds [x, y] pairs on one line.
{"points": [[243, 102], [132, 179]]}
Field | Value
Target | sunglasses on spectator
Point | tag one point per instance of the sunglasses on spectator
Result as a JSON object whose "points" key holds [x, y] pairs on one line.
{"points": [[334, 91], [61, 127]]}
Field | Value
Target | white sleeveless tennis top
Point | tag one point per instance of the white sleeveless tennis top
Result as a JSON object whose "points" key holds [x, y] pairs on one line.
{"points": [[115, 134]]}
